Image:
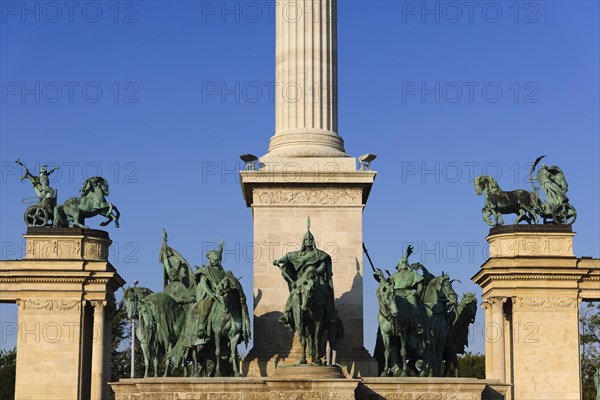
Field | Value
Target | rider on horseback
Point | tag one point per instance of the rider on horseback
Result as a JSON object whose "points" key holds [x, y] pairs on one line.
{"points": [[408, 284], [295, 265]]}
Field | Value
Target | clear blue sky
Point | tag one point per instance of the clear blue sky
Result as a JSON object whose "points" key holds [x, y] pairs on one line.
{"points": [[128, 89]]}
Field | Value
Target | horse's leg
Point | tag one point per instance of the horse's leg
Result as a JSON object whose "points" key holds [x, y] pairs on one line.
{"points": [[146, 352], [316, 358], [116, 216], [167, 359], [234, 359], [218, 353], [455, 363], [403, 340], [385, 338], [155, 359], [303, 345], [487, 213], [520, 215], [412, 364], [78, 220]]}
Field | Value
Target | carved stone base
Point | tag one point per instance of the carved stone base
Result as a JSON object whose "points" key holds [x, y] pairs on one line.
{"points": [[308, 389]]}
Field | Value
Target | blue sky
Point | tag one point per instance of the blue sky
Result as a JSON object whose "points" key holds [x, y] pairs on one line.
{"points": [[439, 91]]}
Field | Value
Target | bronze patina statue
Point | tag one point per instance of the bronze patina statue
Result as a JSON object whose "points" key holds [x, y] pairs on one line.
{"points": [[41, 213], [198, 318], [310, 307], [528, 205], [419, 319], [72, 212]]}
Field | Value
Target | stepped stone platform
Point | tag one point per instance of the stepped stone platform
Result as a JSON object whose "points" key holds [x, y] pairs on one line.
{"points": [[274, 388]]}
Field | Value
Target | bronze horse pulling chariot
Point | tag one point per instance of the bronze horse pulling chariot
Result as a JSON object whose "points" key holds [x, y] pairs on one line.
{"points": [[528, 205]]}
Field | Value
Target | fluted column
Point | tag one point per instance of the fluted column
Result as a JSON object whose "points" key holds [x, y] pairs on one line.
{"points": [[306, 106], [498, 339], [98, 353]]}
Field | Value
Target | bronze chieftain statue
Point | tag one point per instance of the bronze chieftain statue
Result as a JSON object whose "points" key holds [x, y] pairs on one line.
{"points": [[528, 205], [200, 317], [310, 307], [419, 319]]}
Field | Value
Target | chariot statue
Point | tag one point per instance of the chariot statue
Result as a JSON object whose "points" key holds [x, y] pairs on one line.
{"points": [[528, 205], [73, 212]]}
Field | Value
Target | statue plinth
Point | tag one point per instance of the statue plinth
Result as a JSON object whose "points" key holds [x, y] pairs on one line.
{"points": [[282, 193], [308, 372], [64, 291], [532, 286]]}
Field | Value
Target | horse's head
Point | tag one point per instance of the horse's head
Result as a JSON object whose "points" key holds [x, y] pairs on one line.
{"points": [[446, 290], [133, 296], [95, 184], [486, 183], [480, 183], [468, 308], [306, 287], [387, 299]]}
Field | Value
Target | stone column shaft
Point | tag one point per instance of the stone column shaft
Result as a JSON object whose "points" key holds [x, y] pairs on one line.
{"points": [[306, 109], [98, 354], [498, 345]]}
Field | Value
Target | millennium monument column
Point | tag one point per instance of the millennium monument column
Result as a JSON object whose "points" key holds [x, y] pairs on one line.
{"points": [[306, 111], [306, 173]]}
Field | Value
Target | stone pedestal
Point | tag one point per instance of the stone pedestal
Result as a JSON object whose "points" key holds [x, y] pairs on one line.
{"points": [[532, 285], [308, 389], [64, 290], [282, 194]]}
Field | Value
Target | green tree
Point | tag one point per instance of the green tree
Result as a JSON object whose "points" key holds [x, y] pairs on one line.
{"points": [[121, 347], [472, 365], [589, 339], [8, 370]]}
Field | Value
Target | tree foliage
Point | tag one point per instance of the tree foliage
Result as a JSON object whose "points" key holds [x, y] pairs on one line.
{"points": [[470, 365], [8, 370], [590, 348]]}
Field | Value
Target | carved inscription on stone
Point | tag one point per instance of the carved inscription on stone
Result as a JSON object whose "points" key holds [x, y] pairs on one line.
{"points": [[557, 303]]}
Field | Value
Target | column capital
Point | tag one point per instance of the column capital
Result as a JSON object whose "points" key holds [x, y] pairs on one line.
{"points": [[495, 303], [99, 305]]}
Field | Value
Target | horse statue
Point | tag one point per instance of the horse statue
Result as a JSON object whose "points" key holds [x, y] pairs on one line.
{"points": [[497, 202], [460, 318], [309, 308], [391, 324], [91, 203], [439, 298], [229, 320], [397, 339], [160, 322]]}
